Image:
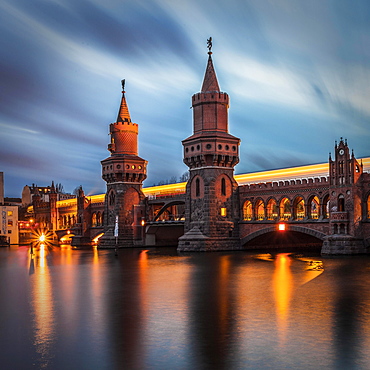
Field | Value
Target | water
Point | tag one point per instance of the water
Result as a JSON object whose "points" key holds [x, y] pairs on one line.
{"points": [[155, 309]]}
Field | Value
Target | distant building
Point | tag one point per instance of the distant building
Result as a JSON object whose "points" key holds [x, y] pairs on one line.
{"points": [[43, 192], [9, 223], [8, 215]]}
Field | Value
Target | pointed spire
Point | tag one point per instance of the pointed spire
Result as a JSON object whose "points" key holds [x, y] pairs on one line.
{"points": [[123, 114], [210, 82]]}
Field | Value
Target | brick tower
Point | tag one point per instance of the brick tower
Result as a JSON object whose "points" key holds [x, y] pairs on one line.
{"points": [[212, 209], [124, 171], [345, 203]]}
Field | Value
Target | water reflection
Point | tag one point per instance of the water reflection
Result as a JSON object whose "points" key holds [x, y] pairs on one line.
{"points": [[282, 282], [211, 311], [155, 309], [42, 308]]}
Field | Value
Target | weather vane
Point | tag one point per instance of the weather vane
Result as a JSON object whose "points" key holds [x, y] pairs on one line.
{"points": [[123, 84], [209, 44]]}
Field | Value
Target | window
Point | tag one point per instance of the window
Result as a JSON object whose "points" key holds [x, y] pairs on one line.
{"points": [[10, 213], [223, 187], [10, 222], [197, 187]]}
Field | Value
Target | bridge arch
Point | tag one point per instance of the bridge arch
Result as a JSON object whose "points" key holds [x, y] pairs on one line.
{"points": [[272, 229], [168, 205]]}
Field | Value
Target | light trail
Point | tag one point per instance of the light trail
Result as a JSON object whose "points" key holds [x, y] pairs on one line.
{"points": [[292, 173]]}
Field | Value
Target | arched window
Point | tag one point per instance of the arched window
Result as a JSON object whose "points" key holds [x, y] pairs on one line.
{"points": [[260, 210], [325, 206], [341, 207], [272, 210], [247, 211], [285, 209], [197, 187], [98, 219], [314, 208], [112, 198], [299, 212], [223, 186], [93, 220]]}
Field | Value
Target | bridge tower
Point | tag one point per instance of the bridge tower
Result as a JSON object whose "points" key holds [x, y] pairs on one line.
{"points": [[124, 171], [212, 206], [345, 213]]}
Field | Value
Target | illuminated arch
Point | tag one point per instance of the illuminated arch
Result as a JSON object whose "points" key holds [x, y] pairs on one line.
{"points": [[247, 211], [93, 220], [299, 209], [260, 210], [272, 210], [285, 209], [314, 208]]}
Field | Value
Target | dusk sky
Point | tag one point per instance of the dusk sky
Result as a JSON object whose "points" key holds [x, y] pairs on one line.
{"points": [[297, 73]]}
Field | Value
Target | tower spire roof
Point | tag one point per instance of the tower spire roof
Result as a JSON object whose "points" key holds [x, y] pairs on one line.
{"points": [[123, 113], [210, 82]]}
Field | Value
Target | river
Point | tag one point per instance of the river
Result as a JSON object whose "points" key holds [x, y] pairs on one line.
{"points": [[156, 309]]}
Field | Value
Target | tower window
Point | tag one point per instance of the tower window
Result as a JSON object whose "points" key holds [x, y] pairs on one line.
{"points": [[223, 186], [219, 146], [208, 146], [197, 187]]}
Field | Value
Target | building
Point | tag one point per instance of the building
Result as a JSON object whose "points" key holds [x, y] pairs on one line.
{"points": [[326, 206]]}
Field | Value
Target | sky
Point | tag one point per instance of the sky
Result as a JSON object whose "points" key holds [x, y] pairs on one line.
{"points": [[297, 73]]}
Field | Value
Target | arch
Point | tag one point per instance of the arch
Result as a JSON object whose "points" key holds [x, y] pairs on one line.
{"points": [[93, 220], [299, 208], [98, 219], [197, 187], [313, 207], [111, 199], [165, 209], [223, 186], [260, 210], [247, 211], [285, 209], [269, 229], [272, 209], [325, 206]]}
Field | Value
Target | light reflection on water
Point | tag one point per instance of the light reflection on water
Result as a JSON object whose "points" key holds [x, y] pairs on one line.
{"points": [[155, 309]]}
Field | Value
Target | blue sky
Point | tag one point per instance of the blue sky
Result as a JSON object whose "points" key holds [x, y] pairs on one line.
{"points": [[297, 73]]}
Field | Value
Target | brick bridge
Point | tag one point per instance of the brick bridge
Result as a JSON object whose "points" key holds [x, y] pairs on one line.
{"points": [[325, 206]]}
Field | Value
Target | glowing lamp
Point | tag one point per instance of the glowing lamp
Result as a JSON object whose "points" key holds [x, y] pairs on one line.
{"points": [[142, 222], [281, 227], [42, 238], [223, 212]]}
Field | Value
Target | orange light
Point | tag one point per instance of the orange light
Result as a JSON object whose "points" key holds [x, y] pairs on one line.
{"points": [[42, 238], [281, 227], [223, 212], [142, 222]]}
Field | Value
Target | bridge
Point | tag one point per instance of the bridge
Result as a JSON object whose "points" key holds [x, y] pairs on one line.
{"points": [[289, 206]]}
